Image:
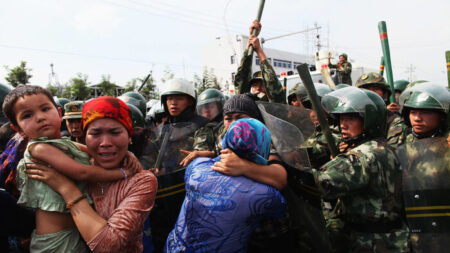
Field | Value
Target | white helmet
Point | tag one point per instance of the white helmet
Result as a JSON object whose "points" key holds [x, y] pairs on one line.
{"points": [[178, 86]]}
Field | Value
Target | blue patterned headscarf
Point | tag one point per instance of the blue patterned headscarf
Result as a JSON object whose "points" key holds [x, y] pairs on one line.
{"points": [[249, 139]]}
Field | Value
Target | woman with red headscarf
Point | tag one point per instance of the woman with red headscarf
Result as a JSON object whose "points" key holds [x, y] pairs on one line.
{"points": [[121, 207]]}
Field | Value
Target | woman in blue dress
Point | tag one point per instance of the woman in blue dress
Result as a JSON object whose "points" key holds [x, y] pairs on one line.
{"points": [[220, 212]]}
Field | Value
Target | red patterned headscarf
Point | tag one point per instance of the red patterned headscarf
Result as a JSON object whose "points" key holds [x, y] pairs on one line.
{"points": [[107, 107]]}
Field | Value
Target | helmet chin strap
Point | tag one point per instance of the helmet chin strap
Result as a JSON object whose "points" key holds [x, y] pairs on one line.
{"points": [[355, 140]]}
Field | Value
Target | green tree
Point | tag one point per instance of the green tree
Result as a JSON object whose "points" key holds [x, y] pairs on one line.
{"points": [[78, 87], [167, 75], [207, 81], [52, 89], [148, 90], [106, 87], [18, 75]]}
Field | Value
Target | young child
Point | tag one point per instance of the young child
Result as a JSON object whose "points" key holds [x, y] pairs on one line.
{"points": [[33, 112]]}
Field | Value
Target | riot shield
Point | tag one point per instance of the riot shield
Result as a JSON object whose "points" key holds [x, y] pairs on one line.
{"points": [[171, 187], [426, 190], [289, 127]]}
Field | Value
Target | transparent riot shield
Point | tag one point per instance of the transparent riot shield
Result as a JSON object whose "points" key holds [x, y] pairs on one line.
{"points": [[171, 138], [426, 193], [289, 127]]}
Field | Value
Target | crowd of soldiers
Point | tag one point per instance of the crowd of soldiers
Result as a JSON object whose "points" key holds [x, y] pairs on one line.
{"points": [[383, 192]]}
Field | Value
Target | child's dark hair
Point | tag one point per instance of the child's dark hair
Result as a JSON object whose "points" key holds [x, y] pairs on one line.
{"points": [[22, 91]]}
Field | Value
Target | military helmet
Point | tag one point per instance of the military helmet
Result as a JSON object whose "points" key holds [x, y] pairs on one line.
{"points": [[425, 96], [373, 79], [208, 97], [178, 86], [400, 85], [60, 102], [135, 99], [367, 104], [4, 90], [411, 84], [136, 116], [321, 89], [342, 85]]}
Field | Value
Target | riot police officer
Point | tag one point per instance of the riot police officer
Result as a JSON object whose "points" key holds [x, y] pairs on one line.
{"points": [[396, 129], [210, 105], [366, 176]]}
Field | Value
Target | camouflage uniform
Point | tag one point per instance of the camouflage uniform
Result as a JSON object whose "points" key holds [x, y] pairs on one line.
{"points": [[367, 178], [344, 76], [397, 132], [368, 182], [275, 91], [207, 137], [317, 146]]}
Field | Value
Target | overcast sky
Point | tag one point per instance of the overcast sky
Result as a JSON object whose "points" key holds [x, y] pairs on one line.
{"points": [[128, 38]]}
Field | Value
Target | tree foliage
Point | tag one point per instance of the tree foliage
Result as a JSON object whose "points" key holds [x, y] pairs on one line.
{"points": [[167, 75], [106, 87], [207, 81], [78, 87], [148, 91], [18, 75]]}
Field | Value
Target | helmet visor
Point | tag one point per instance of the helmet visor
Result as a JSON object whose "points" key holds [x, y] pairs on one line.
{"points": [[209, 110], [347, 100]]}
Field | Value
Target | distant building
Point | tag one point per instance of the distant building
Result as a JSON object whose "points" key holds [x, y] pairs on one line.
{"points": [[224, 54]]}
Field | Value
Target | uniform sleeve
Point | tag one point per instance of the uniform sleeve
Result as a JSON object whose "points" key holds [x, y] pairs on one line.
{"points": [[129, 215], [275, 90], [343, 174], [243, 74], [204, 139], [347, 68]]}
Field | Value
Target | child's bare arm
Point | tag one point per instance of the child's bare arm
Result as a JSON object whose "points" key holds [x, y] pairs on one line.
{"points": [[61, 162]]}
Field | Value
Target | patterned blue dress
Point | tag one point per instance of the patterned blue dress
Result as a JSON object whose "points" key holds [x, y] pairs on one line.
{"points": [[220, 212]]}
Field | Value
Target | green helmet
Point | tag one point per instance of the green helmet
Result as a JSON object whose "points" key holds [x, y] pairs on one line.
{"points": [[425, 96], [342, 85], [210, 96], [60, 102], [411, 84], [321, 89], [400, 85], [4, 90], [373, 79], [178, 86], [367, 104], [135, 99], [136, 116]]}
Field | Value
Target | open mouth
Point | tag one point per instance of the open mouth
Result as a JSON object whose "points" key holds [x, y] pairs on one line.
{"points": [[107, 155]]}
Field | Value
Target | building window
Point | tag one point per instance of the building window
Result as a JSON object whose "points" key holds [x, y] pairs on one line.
{"points": [[257, 60], [284, 65], [233, 59], [233, 75], [289, 65]]}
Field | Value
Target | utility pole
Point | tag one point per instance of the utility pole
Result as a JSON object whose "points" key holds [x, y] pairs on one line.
{"points": [[53, 79], [410, 70]]}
